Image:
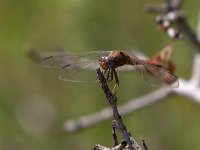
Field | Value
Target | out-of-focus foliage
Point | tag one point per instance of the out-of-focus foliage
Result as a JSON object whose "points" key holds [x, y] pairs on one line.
{"points": [[34, 103]]}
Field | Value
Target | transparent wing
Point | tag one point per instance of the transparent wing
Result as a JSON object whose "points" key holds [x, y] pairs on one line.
{"points": [[164, 58], [127, 68], [157, 76], [76, 68], [78, 73], [58, 60]]}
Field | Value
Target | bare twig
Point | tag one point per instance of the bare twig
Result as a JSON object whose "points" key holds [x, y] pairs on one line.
{"points": [[121, 146], [155, 9], [114, 127], [112, 99], [168, 5], [99, 147], [184, 28], [144, 145], [195, 78]]}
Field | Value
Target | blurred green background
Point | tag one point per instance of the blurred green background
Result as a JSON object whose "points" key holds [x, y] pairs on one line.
{"points": [[34, 104]]}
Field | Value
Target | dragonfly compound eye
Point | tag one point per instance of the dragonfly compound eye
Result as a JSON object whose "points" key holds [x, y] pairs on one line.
{"points": [[103, 62]]}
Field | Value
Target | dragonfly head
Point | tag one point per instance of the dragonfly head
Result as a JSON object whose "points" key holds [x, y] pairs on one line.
{"points": [[106, 62]]}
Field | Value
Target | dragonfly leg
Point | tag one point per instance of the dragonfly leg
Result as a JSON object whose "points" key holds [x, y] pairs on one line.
{"points": [[116, 77], [114, 127], [109, 75], [105, 71], [115, 88]]}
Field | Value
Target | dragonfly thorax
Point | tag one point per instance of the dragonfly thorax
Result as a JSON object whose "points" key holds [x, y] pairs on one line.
{"points": [[106, 62]]}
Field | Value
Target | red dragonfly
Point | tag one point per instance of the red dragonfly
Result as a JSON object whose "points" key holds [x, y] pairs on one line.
{"points": [[82, 68]]}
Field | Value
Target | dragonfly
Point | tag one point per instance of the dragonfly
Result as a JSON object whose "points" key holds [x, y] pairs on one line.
{"points": [[82, 68]]}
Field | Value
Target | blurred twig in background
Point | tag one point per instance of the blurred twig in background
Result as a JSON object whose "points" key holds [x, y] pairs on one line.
{"points": [[33, 54], [170, 14]]}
